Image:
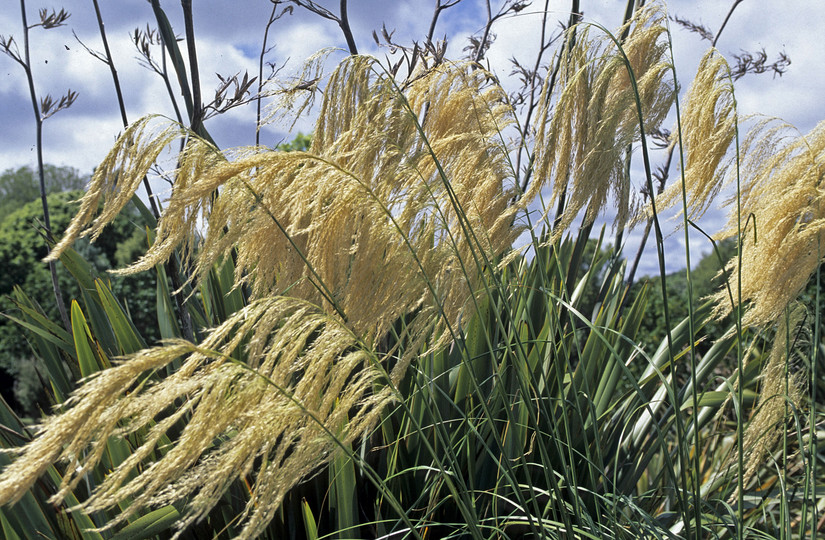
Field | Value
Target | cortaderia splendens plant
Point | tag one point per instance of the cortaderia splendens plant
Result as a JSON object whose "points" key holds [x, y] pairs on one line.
{"points": [[374, 249]]}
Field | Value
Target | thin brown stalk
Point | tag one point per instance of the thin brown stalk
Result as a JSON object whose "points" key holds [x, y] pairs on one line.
{"points": [[344, 24], [725, 22], [116, 80], [543, 46], [342, 21], [270, 22], [570, 31], [26, 63], [439, 7]]}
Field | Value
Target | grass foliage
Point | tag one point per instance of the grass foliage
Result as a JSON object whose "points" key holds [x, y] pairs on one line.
{"points": [[373, 359]]}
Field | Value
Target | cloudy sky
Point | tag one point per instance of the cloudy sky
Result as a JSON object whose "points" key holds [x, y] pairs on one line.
{"points": [[229, 36]]}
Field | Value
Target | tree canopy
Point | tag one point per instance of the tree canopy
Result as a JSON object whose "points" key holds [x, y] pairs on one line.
{"points": [[20, 186], [22, 248]]}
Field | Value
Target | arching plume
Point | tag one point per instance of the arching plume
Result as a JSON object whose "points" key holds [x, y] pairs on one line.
{"points": [[403, 201], [591, 116]]}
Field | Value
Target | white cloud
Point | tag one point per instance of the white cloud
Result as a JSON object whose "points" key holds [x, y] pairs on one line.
{"points": [[80, 141], [298, 41]]}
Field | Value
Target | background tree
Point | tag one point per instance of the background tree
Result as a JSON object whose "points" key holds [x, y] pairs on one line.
{"points": [[707, 280], [22, 249], [300, 143], [18, 186]]}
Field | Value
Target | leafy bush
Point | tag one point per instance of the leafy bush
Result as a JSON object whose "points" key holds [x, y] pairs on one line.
{"points": [[22, 248]]}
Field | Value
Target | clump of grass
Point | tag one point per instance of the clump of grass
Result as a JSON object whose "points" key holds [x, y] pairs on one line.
{"points": [[383, 218], [390, 324]]}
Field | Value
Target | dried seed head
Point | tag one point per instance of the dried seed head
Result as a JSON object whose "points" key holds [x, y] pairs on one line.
{"points": [[777, 396], [580, 144], [708, 127], [782, 201]]}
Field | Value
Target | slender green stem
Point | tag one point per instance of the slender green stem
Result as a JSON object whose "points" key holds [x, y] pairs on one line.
{"points": [[740, 367], [784, 517], [662, 272], [810, 482], [697, 442]]}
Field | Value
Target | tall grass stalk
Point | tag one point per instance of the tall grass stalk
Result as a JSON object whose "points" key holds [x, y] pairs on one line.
{"points": [[811, 462], [740, 366], [683, 461], [686, 225], [697, 506], [42, 110]]}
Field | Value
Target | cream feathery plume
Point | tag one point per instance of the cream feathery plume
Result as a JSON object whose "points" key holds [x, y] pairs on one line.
{"points": [[304, 375], [591, 116], [782, 199], [708, 127], [775, 399], [375, 202], [399, 208], [295, 95], [117, 178]]}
